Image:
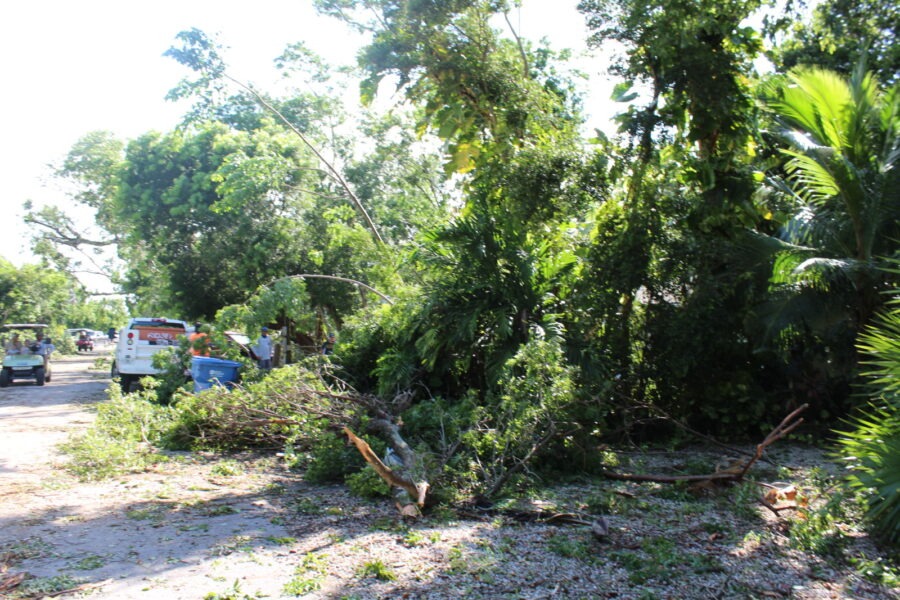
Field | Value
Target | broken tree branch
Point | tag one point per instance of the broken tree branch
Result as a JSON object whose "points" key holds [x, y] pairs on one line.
{"points": [[416, 491], [734, 473]]}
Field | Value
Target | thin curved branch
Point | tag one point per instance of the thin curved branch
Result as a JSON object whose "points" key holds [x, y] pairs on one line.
{"points": [[518, 43], [68, 235], [330, 167], [335, 278]]}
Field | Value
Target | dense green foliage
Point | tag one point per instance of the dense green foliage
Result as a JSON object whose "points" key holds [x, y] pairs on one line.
{"points": [[871, 446], [711, 265]]}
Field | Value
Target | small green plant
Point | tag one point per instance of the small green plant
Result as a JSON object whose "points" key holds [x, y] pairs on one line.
{"points": [[281, 541], [89, 563], [101, 363], [378, 570], [308, 576], [236, 543], [233, 593], [227, 468], [818, 530], [32, 547], [122, 437], [877, 571], [307, 506], [366, 483], [413, 538], [570, 546], [218, 510], [47, 586], [154, 513]]}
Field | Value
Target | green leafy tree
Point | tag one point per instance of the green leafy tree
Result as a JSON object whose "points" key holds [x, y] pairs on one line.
{"points": [[841, 34], [35, 293], [841, 145], [508, 121], [666, 262]]}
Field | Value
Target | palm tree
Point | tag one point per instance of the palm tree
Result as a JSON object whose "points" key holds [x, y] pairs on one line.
{"points": [[840, 179]]}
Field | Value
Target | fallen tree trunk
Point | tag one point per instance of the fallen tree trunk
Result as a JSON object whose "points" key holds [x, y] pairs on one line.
{"points": [[412, 493]]}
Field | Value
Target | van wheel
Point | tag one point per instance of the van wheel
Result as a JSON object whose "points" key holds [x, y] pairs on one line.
{"points": [[125, 381]]}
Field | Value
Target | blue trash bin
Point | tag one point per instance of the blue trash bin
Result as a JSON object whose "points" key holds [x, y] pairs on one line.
{"points": [[208, 372]]}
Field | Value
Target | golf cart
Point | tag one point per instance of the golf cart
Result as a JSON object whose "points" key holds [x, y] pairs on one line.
{"points": [[22, 358]]}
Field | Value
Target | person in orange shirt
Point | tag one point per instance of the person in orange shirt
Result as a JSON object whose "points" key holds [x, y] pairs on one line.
{"points": [[199, 341]]}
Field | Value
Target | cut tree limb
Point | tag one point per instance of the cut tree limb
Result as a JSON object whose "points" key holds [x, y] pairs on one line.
{"points": [[416, 490]]}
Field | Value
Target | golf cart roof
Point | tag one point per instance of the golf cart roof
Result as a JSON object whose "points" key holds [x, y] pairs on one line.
{"points": [[25, 326]]}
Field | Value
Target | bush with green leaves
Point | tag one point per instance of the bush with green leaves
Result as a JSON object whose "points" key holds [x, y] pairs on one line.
{"points": [[871, 446], [519, 422], [331, 459], [366, 483], [289, 406], [123, 437]]}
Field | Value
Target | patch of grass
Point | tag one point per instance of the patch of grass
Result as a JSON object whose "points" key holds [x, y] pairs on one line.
{"points": [[463, 560], [307, 506], [678, 492], [606, 503], [570, 546], [153, 513], [218, 510], [101, 363], [233, 593], [413, 538], [387, 524], [744, 501], [276, 489], [33, 547], [281, 541], [46, 586], [378, 570], [237, 543], [308, 576], [660, 559], [89, 563], [227, 468]]}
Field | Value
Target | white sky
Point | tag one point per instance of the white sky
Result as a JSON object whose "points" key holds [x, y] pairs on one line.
{"points": [[69, 67]]}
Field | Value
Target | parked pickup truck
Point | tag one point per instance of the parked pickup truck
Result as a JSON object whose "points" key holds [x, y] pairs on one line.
{"points": [[138, 342]]}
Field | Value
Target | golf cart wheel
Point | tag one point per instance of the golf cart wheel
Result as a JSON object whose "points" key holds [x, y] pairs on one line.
{"points": [[4, 378], [39, 376]]}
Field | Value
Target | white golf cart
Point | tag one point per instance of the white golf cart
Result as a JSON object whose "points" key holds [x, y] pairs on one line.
{"points": [[24, 360]]}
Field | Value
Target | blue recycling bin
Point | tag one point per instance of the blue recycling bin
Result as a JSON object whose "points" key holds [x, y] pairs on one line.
{"points": [[208, 372]]}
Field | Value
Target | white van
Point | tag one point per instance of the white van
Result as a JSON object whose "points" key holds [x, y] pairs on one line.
{"points": [[138, 342]]}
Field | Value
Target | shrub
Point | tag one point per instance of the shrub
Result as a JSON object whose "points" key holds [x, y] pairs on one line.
{"points": [[524, 417], [285, 407], [872, 444], [122, 437]]}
